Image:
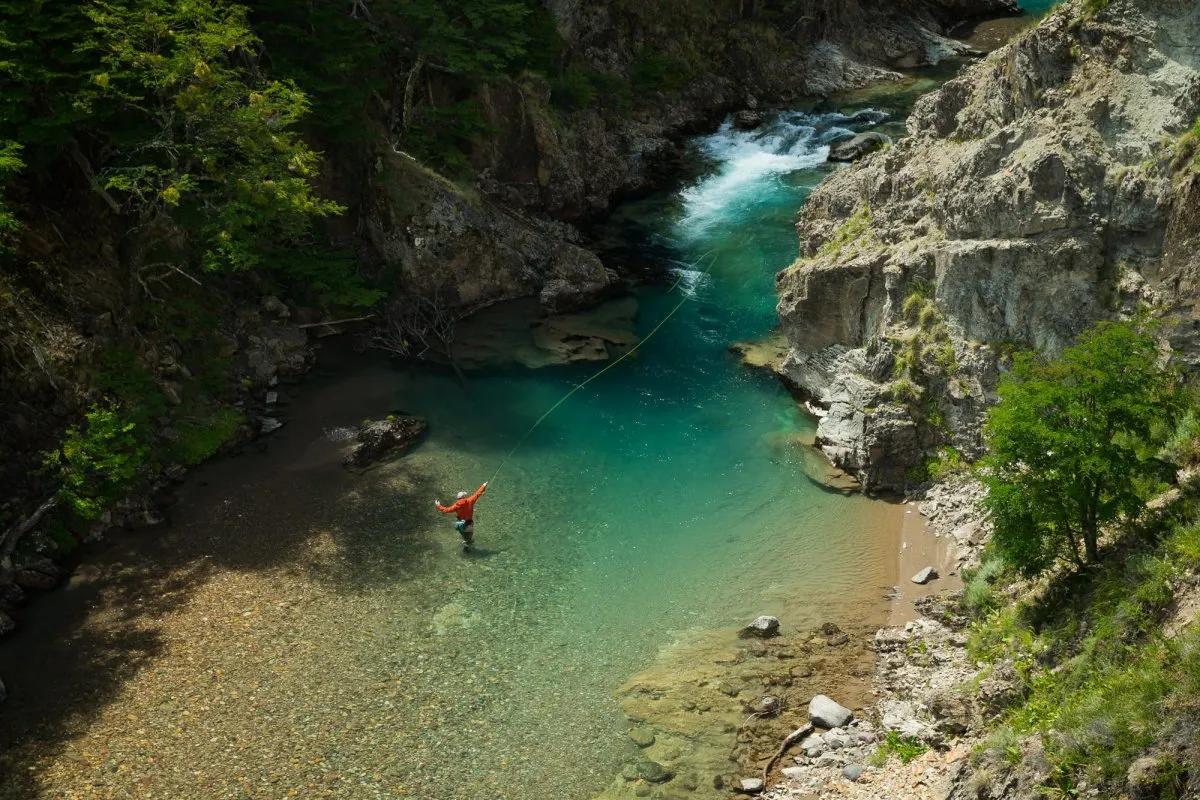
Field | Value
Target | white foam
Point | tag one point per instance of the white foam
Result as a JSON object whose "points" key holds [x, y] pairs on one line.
{"points": [[749, 160]]}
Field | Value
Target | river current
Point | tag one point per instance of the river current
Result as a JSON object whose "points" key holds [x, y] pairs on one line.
{"points": [[303, 631]]}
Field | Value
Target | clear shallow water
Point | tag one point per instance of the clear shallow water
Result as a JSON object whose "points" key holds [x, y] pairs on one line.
{"points": [[669, 495], [304, 630]]}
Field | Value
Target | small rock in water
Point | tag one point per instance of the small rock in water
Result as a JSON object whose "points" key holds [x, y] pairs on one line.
{"points": [[750, 785], [7, 625], [763, 627], [925, 575], [269, 425], [642, 737], [769, 706], [827, 713], [3, 691], [852, 772], [654, 772]]}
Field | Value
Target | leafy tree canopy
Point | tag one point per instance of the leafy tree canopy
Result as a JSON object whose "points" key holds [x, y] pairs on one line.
{"points": [[1072, 443], [207, 139]]}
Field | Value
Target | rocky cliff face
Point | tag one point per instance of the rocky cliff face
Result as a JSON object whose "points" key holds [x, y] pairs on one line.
{"points": [[1049, 186], [730, 55], [543, 168]]}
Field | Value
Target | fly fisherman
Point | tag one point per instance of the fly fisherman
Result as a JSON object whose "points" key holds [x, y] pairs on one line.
{"points": [[463, 507]]}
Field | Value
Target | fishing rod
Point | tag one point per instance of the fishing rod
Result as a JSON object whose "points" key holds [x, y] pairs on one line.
{"points": [[613, 364]]}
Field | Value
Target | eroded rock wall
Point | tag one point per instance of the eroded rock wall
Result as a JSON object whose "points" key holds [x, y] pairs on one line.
{"points": [[1042, 190]]}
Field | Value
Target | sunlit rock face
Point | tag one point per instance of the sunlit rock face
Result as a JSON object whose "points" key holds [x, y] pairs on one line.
{"points": [[1040, 191]]}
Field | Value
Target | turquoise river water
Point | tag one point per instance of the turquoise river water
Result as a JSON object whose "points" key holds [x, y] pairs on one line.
{"points": [[304, 631]]}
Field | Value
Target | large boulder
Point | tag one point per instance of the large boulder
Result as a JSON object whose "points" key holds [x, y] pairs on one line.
{"points": [[380, 439], [861, 145], [278, 351], [827, 713]]}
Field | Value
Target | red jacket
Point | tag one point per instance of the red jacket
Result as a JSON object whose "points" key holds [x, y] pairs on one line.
{"points": [[464, 508]]}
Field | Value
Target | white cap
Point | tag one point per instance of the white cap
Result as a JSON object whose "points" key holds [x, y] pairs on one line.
{"points": [[460, 495]]}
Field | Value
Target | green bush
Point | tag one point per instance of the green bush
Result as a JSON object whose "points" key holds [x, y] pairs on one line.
{"points": [[97, 462], [904, 748], [122, 377], [579, 88], [655, 71], [979, 596], [442, 137], [325, 277], [203, 433], [1182, 447]]}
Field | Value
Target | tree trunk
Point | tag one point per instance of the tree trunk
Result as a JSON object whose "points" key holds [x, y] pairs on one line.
{"points": [[410, 87], [1090, 543], [1091, 525]]}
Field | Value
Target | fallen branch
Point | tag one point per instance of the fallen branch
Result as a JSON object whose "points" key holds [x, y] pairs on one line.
{"points": [[8, 543], [334, 322], [793, 737]]}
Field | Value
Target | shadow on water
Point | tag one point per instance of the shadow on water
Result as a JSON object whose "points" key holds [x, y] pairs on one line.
{"points": [[77, 648]]}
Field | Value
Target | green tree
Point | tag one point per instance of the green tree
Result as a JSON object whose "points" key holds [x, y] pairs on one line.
{"points": [[97, 461], [10, 164], [1071, 444], [207, 147]]}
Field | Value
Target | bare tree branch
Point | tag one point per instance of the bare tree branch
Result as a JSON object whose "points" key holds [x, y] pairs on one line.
{"points": [[8, 544]]}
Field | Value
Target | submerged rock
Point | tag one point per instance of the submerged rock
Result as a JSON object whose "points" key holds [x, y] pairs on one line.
{"points": [[763, 627], [383, 438], [642, 737], [827, 713], [653, 772]]}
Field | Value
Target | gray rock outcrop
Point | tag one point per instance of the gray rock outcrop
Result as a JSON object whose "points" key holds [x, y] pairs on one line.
{"points": [[1052, 185], [860, 145], [827, 713]]}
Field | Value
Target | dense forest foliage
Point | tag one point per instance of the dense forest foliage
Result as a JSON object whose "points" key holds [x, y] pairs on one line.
{"points": [[159, 157], [163, 161], [188, 118]]}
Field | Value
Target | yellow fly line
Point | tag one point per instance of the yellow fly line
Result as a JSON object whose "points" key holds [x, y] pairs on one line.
{"points": [[711, 260]]}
